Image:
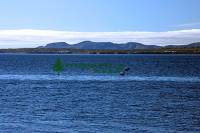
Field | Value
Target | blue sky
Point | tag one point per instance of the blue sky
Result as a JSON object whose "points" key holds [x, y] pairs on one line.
{"points": [[99, 15], [95, 16]]}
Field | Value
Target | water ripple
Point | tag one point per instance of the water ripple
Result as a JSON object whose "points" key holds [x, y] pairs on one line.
{"points": [[97, 78]]}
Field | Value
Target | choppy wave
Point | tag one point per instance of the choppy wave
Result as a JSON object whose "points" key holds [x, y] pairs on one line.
{"points": [[97, 78]]}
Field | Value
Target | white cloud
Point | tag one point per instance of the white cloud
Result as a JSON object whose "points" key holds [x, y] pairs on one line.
{"points": [[187, 25], [34, 38]]}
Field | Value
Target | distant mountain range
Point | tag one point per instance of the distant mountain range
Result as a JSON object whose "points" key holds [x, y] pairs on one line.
{"points": [[89, 45], [192, 45]]}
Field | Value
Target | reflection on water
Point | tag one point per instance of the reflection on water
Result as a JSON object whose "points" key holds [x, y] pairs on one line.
{"points": [[97, 78]]}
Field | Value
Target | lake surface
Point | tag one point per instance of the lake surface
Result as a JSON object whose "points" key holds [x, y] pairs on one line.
{"points": [[160, 93]]}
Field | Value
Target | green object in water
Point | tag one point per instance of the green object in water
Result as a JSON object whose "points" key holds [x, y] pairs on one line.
{"points": [[58, 66], [98, 67]]}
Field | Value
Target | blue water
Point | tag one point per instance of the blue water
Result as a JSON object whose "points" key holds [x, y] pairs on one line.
{"points": [[161, 93]]}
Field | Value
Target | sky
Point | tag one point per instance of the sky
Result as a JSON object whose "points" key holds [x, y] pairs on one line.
{"points": [[30, 23]]}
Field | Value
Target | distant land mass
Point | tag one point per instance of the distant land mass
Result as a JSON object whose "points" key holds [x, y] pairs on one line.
{"points": [[89, 45], [192, 45]]}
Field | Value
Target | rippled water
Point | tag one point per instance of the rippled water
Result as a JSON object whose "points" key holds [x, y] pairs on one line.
{"points": [[161, 93]]}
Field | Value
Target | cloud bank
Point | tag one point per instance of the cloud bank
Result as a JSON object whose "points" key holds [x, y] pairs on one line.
{"points": [[28, 38]]}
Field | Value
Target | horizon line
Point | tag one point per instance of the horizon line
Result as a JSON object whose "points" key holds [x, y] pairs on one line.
{"points": [[18, 38]]}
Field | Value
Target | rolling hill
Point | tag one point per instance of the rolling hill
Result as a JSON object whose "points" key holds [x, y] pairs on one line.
{"points": [[89, 45]]}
